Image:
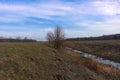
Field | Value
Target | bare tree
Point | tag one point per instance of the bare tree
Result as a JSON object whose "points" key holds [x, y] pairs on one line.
{"points": [[57, 37], [50, 37]]}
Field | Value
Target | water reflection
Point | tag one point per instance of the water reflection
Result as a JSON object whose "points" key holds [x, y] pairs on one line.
{"points": [[97, 59]]}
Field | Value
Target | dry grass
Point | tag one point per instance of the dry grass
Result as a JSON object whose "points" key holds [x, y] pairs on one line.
{"points": [[109, 49], [98, 66], [107, 71], [38, 61], [26, 61]]}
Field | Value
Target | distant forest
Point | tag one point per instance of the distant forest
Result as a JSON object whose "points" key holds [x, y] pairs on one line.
{"points": [[104, 37], [18, 39]]}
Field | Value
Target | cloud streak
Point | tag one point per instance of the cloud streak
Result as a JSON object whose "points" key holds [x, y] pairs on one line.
{"points": [[45, 11], [77, 18]]}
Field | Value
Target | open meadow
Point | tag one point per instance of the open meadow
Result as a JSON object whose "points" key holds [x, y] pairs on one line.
{"points": [[38, 61], [59, 39]]}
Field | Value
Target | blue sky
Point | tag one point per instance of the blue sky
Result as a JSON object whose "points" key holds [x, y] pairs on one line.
{"points": [[78, 18]]}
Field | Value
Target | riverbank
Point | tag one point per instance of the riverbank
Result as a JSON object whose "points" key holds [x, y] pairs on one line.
{"points": [[109, 49], [107, 71], [96, 58], [38, 61]]}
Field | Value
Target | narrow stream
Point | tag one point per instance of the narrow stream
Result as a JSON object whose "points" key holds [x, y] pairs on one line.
{"points": [[97, 59]]}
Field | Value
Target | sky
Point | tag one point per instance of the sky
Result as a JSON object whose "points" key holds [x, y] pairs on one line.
{"points": [[78, 18]]}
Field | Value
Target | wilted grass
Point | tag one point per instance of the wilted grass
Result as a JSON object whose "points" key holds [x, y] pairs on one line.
{"points": [[26, 61], [109, 49], [99, 67], [38, 61], [107, 71]]}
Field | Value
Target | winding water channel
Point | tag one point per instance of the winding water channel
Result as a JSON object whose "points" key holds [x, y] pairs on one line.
{"points": [[97, 59]]}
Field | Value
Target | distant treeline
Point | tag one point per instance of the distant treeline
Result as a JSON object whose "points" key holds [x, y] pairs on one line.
{"points": [[16, 40], [104, 37]]}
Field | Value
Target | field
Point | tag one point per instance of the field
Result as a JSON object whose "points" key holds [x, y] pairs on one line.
{"points": [[109, 49], [38, 61]]}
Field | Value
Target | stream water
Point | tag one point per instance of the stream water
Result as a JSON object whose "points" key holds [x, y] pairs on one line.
{"points": [[97, 59]]}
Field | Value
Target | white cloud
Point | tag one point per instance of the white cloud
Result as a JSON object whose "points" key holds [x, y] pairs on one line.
{"points": [[11, 18], [48, 10], [81, 33], [69, 13], [38, 34], [98, 7], [109, 26], [107, 7], [45, 11]]}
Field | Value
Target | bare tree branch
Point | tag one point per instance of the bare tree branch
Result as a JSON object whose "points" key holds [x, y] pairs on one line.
{"points": [[56, 38]]}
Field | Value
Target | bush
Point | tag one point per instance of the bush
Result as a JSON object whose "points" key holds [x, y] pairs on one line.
{"points": [[56, 38]]}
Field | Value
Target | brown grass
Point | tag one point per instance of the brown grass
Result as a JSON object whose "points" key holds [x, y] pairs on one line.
{"points": [[106, 70], [38, 61], [101, 68], [109, 49]]}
